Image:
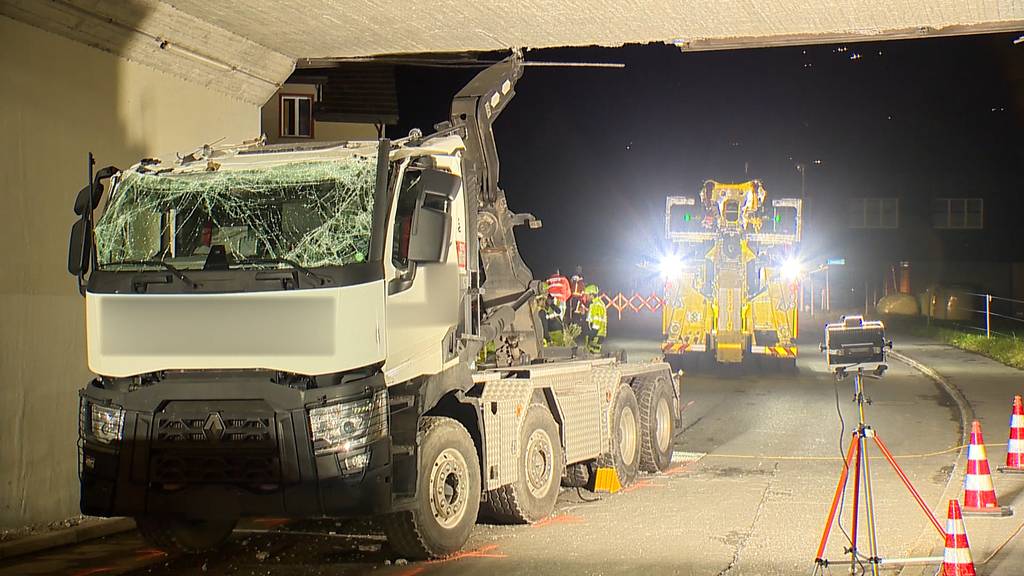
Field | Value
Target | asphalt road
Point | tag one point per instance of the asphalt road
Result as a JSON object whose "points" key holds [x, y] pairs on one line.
{"points": [[755, 471]]}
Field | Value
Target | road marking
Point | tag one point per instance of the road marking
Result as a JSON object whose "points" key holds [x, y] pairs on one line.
{"points": [[558, 519], [489, 551], [681, 457], [637, 486], [676, 470], [91, 571]]}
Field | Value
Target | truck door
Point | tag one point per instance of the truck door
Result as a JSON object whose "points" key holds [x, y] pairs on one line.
{"points": [[424, 260]]}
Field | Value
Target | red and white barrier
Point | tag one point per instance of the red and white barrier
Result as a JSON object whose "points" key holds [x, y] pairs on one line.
{"points": [[979, 493], [1015, 445], [956, 558]]}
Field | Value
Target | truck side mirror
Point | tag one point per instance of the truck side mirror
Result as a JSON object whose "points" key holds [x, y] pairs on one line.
{"points": [[79, 248], [431, 221], [88, 198], [84, 200]]}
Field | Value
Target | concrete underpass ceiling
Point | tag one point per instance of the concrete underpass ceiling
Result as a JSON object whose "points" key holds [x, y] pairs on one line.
{"points": [[247, 47]]}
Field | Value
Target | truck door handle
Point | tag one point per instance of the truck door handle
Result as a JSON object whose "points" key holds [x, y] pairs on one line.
{"points": [[403, 281]]}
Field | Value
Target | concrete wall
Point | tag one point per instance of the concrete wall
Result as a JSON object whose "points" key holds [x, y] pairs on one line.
{"points": [[58, 101], [270, 118]]}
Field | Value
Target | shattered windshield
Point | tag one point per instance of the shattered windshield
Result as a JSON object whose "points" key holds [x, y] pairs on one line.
{"points": [[312, 214]]}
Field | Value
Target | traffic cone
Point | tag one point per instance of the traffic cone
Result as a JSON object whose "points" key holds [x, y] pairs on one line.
{"points": [[956, 558], [1015, 445], [979, 495]]}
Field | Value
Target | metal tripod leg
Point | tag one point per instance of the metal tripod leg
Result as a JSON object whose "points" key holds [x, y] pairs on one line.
{"points": [[855, 509], [869, 501], [840, 488]]}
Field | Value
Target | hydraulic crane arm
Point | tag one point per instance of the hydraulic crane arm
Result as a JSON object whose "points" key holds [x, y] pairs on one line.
{"points": [[474, 109]]}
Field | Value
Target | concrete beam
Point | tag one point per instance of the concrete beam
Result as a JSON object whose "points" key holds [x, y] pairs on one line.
{"points": [[247, 48], [159, 36], [329, 28]]}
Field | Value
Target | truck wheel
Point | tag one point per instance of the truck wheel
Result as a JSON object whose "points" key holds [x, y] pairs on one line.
{"points": [[625, 437], [186, 536], [449, 494], [657, 425], [532, 496], [577, 475]]}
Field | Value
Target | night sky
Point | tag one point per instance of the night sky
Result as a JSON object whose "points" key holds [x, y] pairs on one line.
{"points": [[594, 152]]}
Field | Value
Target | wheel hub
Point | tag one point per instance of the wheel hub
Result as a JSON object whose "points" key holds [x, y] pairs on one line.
{"points": [[663, 425], [627, 437], [449, 480], [539, 463]]}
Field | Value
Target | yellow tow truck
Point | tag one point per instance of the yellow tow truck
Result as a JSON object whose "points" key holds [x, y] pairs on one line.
{"points": [[731, 281]]}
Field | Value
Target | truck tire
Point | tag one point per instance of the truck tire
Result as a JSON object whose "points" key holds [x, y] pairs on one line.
{"points": [[625, 437], [577, 475], [657, 425], [449, 494], [532, 496], [185, 536]]}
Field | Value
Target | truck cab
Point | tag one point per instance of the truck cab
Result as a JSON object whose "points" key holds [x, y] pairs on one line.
{"points": [[254, 276]]}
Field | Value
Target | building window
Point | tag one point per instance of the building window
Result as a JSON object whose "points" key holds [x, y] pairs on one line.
{"points": [[958, 213], [875, 213], [297, 116]]}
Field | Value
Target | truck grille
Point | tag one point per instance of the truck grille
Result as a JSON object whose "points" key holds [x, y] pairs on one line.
{"points": [[177, 468], [233, 442], [184, 429]]}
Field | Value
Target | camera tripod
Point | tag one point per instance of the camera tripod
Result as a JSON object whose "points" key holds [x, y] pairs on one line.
{"points": [[856, 456]]}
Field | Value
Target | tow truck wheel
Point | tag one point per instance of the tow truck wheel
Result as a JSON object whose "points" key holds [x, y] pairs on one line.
{"points": [[657, 425], [187, 536], [625, 437], [532, 496], [449, 485]]}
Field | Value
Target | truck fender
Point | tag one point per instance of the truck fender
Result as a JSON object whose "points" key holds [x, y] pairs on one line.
{"points": [[441, 394]]}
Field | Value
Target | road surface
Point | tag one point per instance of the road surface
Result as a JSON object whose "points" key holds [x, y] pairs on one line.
{"points": [[755, 471]]}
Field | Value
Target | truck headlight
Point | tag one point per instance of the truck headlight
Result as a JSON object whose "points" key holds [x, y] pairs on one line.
{"points": [[104, 424], [347, 426]]}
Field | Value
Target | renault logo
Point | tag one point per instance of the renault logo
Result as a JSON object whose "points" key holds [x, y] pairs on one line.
{"points": [[214, 427]]}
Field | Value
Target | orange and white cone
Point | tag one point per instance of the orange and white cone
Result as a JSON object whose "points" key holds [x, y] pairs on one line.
{"points": [[979, 494], [956, 559], [1015, 445]]}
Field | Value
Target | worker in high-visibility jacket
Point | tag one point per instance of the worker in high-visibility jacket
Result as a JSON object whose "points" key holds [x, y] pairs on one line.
{"points": [[597, 319], [551, 316], [576, 307]]}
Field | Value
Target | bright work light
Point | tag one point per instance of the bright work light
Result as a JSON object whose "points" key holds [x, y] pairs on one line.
{"points": [[670, 266], [792, 269]]}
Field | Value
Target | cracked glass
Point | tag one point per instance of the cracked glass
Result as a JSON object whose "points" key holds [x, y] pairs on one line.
{"points": [[313, 214]]}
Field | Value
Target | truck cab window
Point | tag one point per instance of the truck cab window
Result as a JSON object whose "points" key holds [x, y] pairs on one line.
{"points": [[404, 211]]}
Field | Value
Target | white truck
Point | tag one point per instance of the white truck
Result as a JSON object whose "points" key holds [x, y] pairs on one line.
{"points": [[295, 330]]}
